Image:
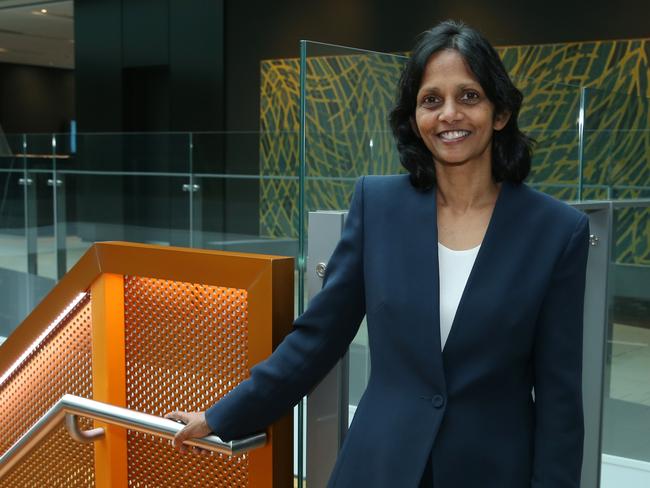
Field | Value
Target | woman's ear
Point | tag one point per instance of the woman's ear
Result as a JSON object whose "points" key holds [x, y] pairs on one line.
{"points": [[501, 119], [414, 126]]}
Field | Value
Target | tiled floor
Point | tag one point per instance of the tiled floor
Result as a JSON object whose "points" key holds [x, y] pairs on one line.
{"points": [[630, 370], [13, 253]]}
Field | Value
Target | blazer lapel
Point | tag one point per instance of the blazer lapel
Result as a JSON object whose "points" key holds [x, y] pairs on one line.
{"points": [[420, 237], [489, 253]]}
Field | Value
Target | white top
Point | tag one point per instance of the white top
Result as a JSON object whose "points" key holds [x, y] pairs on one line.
{"points": [[454, 269]]}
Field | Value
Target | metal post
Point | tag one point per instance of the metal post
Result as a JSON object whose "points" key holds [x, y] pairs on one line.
{"points": [[327, 405], [191, 193], [59, 214], [596, 322], [31, 232]]}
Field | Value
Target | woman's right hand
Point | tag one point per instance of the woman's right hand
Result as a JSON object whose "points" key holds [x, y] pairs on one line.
{"points": [[195, 427]]}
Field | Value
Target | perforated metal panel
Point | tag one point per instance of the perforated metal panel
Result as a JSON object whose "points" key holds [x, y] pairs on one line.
{"points": [[61, 364], [186, 347], [58, 461]]}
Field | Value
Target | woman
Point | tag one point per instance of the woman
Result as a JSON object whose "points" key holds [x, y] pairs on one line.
{"points": [[473, 287]]}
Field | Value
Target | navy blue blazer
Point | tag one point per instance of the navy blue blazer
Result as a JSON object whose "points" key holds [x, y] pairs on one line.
{"points": [[469, 408]]}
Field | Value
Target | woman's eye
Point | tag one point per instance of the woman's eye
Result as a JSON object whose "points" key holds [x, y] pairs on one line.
{"points": [[470, 96], [429, 100]]}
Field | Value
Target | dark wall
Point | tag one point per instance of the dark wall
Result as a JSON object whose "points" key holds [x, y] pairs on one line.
{"points": [[35, 99], [98, 65], [149, 65]]}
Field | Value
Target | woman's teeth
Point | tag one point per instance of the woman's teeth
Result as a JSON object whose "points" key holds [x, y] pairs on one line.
{"points": [[454, 134]]}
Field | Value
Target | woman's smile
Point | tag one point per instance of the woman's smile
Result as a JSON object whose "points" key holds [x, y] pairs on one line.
{"points": [[454, 136]]}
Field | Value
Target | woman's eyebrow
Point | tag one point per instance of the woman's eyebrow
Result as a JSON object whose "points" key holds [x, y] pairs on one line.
{"points": [[460, 86], [471, 84], [427, 89]]}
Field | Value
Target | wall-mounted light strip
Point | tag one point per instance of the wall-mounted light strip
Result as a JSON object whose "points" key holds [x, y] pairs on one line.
{"points": [[50, 328]]}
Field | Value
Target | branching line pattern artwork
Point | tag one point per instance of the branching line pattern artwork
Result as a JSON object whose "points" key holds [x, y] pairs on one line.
{"points": [[349, 97]]}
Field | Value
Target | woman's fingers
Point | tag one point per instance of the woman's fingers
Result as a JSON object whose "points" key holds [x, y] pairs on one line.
{"points": [[180, 417], [180, 435], [195, 427], [198, 450]]}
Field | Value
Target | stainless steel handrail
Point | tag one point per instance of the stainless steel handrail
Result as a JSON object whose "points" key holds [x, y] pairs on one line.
{"points": [[70, 406]]}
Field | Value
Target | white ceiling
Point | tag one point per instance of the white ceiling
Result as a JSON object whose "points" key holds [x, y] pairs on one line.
{"points": [[28, 36]]}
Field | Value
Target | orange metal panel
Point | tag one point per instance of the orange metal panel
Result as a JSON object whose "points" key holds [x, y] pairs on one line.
{"points": [[57, 461], [219, 268], [271, 308], [186, 347], [60, 364], [194, 277], [70, 286], [107, 304]]}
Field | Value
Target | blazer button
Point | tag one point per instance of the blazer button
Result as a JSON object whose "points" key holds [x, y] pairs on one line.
{"points": [[438, 401]]}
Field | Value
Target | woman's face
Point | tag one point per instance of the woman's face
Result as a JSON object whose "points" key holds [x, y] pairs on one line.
{"points": [[453, 116]]}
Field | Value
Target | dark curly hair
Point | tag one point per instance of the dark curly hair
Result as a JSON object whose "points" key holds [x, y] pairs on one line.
{"points": [[511, 148]]}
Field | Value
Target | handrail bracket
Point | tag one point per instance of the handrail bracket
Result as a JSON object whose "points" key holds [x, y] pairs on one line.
{"points": [[82, 436]]}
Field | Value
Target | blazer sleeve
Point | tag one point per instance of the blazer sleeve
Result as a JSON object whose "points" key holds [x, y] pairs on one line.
{"points": [[559, 429], [320, 337]]}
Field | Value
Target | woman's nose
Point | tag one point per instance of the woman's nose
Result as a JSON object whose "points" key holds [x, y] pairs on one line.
{"points": [[450, 112]]}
